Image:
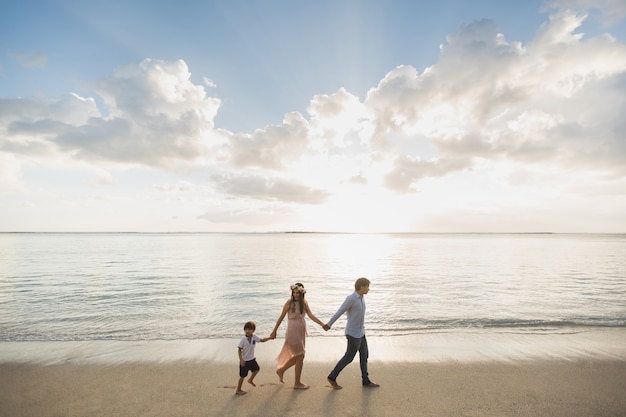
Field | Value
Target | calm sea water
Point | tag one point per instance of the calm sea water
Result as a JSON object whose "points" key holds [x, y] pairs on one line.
{"points": [[136, 287]]}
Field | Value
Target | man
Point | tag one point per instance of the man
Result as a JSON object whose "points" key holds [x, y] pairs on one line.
{"points": [[354, 307]]}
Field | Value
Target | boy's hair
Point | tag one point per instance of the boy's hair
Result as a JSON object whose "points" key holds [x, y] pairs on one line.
{"points": [[360, 283], [250, 325]]}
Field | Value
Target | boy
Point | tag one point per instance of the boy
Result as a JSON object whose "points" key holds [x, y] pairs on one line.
{"points": [[247, 360]]}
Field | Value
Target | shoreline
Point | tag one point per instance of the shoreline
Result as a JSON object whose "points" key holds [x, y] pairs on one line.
{"points": [[533, 388], [605, 344]]}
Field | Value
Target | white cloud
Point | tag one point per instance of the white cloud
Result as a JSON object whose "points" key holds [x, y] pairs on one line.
{"points": [[339, 120], [558, 100], [155, 88], [269, 189], [208, 82], [74, 110], [273, 147], [612, 10], [156, 117], [485, 99], [70, 109], [179, 187], [407, 171], [493, 129]]}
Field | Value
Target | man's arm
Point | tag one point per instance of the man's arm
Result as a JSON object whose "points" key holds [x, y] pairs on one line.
{"points": [[344, 307]]}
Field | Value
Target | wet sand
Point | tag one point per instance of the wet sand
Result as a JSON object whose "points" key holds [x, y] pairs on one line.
{"points": [[533, 388], [447, 374], [606, 344]]}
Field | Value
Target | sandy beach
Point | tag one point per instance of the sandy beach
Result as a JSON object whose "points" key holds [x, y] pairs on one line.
{"points": [[493, 388]]}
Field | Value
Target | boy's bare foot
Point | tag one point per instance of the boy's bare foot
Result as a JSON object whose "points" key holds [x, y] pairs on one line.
{"points": [[280, 375], [334, 384], [241, 393], [301, 386], [251, 382]]}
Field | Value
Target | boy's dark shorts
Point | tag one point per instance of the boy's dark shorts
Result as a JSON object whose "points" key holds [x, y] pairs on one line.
{"points": [[249, 366]]}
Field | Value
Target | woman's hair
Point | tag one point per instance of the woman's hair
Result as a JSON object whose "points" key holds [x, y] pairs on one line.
{"points": [[360, 283], [298, 287]]}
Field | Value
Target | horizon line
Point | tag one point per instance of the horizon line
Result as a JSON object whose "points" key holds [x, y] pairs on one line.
{"points": [[315, 232]]}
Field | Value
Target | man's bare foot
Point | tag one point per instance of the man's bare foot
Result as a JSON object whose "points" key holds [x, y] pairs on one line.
{"points": [[301, 386], [334, 384], [241, 393], [371, 385], [251, 382], [280, 375]]}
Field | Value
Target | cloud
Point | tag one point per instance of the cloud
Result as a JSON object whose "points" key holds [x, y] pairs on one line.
{"points": [[182, 187], [273, 147], [179, 187], [339, 121], [407, 171], [557, 100], [71, 109], [156, 117], [612, 10], [485, 99], [269, 189], [250, 216], [208, 82]]}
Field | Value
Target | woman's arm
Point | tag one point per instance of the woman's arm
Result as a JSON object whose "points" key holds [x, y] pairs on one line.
{"points": [[280, 319], [308, 311]]}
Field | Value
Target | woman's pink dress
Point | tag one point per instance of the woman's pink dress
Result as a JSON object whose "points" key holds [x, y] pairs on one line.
{"points": [[295, 337]]}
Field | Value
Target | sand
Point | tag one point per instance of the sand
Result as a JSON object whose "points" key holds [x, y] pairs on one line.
{"points": [[533, 388]]}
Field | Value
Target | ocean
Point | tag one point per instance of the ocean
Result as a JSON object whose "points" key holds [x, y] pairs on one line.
{"points": [[106, 291]]}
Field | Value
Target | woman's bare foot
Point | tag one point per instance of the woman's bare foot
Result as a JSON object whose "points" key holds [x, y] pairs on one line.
{"points": [[241, 393], [280, 375], [300, 386], [251, 382]]}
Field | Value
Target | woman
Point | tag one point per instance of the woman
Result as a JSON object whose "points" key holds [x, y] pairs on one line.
{"points": [[293, 350]]}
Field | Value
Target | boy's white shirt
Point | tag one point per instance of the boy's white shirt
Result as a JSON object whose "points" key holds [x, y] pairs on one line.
{"points": [[247, 347]]}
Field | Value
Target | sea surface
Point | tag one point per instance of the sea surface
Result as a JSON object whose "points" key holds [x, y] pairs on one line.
{"points": [[136, 287]]}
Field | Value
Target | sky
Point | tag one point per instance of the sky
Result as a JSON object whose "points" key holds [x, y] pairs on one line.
{"points": [[332, 115]]}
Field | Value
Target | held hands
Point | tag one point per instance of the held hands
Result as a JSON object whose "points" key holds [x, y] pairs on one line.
{"points": [[326, 327], [273, 335]]}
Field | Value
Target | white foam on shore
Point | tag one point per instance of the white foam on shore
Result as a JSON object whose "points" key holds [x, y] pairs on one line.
{"points": [[430, 347]]}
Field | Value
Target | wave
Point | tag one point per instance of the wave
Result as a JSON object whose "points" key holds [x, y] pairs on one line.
{"points": [[526, 326], [399, 328]]}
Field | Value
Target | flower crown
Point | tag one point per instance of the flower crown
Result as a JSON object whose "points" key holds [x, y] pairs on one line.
{"points": [[298, 287]]}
